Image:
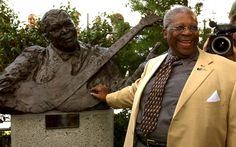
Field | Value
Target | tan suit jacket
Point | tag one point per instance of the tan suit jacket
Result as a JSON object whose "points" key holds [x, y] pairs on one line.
{"points": [[205, 115]]}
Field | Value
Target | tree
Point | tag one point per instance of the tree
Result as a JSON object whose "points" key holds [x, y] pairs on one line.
{"points": [[5, 138], [14, 37], [98, 33], [7, 31], [120, 127]]}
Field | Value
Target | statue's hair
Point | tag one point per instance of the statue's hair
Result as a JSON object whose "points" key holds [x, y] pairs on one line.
{"points": [[53, 13], [175, 10]]}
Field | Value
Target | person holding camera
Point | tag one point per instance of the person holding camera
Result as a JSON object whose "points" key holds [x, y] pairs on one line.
{"points": [[223, 42], [232, 17], [185, 97]]}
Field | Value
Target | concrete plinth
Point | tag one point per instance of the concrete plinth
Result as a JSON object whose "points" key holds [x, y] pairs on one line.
{"points": [[95, 130]]}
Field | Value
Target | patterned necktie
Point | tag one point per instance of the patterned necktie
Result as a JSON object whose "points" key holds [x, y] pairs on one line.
{"points": [[153, 105]]}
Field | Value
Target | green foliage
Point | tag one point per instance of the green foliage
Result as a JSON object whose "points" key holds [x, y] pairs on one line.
{"points": [[7, 31], [136, 51], [98, 33], [121, 122], [5, 138], [104, 31], [153, 6], [204, 34], [198, 8], [14, 37]]}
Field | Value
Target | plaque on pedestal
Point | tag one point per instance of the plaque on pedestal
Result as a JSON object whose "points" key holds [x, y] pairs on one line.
{"points": [[61, 121]]}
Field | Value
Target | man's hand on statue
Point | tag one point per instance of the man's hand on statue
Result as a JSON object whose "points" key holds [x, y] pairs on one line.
{"points": [[100, 91]]}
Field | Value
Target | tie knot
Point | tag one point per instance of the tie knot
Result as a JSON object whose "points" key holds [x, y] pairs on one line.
{"points": [[173, 59]]}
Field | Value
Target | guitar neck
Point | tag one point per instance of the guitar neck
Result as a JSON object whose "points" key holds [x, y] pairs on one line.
{"points": [[121, 42], [96, 65]]}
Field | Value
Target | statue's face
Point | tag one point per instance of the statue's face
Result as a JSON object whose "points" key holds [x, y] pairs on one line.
{"points": [[62, 32]]}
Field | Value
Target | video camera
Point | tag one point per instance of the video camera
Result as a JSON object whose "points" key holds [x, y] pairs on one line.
{"points": [[221, 41]]}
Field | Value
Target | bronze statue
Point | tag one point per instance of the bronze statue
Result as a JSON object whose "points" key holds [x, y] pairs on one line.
{"points": [[59, 76]]}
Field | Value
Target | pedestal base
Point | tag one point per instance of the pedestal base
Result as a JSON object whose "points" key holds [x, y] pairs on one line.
{"points": [[95, 130]]}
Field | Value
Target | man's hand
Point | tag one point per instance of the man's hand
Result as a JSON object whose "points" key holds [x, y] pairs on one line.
{"points": [[205, 46], [233, 56], [100, 91]]}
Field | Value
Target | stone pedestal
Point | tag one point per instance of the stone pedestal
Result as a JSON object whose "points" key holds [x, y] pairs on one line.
{"points": [[95, 130]]}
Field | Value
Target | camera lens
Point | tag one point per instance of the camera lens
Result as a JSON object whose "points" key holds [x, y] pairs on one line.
{"points": [[221, 45]]}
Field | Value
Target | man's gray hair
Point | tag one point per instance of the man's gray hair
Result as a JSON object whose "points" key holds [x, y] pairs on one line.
{"points": [[172, 13]]}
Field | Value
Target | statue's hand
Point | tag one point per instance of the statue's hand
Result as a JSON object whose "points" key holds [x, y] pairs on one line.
{"points": [[100, 91]]}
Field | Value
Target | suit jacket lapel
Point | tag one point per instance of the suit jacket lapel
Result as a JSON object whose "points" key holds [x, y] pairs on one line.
{"points": [[155, 67], [155, 63], [200, 72]]}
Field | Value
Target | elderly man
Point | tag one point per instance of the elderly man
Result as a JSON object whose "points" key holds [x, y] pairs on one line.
{"points": [[186, 97]]}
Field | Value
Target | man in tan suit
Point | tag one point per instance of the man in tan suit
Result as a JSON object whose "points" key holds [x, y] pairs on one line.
{"points": [[199, 100]]}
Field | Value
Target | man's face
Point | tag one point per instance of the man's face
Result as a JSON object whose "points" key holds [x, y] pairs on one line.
{"points": [[62, 32], [182, 35]]}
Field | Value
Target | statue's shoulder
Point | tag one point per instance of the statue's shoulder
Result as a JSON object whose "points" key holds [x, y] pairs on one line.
{"points": [[20, 69], [33, 53], [34, 49], [28, 59]]}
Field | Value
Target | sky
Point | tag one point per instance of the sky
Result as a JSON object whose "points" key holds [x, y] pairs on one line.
{"points": [[211, 9], [217, 9], [91, 7]]}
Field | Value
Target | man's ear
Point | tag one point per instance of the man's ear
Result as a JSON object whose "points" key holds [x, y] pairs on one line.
{"points": [[164, 33]]}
